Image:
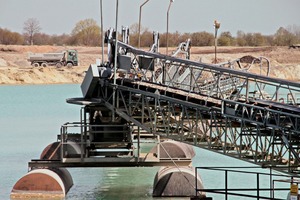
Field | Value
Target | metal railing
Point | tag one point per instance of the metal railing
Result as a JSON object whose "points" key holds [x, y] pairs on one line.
{"points": [[253, 185]]}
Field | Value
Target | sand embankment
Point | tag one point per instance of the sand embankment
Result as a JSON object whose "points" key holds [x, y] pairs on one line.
{"points": [[15, 69]]}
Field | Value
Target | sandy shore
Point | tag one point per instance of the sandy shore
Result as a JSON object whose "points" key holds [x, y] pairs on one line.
{"points": [[15, 69]]}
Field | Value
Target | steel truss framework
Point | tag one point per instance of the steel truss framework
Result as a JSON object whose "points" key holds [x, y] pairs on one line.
{"points": [[216, 107]]}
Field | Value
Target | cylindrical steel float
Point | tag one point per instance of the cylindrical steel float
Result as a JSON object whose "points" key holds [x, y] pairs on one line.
{"points": [[43, 183], [172, 149], [176, 182], [53, 151]]}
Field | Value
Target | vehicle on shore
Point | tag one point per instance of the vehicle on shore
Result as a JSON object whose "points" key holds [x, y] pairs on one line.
{"points": [[294, 46], [67, 58]]}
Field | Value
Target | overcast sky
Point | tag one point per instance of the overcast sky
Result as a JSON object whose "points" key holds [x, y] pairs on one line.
{"points": [[60, 16]]}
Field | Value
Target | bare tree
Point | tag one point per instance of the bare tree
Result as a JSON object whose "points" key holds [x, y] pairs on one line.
{"points": [[134, 35], [31, 27], [87, 32]]}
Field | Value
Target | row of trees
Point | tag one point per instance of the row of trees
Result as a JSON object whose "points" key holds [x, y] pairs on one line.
{"points": [[87, 32]]}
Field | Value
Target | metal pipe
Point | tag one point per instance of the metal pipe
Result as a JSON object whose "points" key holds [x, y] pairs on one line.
{"points": [[216, 30], [82, 149], [140, 18], [257, 185], [139, 141], [226, 184], [217, 26], [116, 43], [115, 61], [102, 35], [167, 36], [196, 182]]}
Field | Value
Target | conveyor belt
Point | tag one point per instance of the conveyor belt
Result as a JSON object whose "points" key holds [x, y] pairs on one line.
{"points": [[277, 106]]}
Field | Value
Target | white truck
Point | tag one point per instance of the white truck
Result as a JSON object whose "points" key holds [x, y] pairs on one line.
{"points": [[67, 58], [294, 46]]}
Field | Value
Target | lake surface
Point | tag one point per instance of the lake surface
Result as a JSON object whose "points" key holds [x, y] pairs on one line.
{"points": [[30, 119]]}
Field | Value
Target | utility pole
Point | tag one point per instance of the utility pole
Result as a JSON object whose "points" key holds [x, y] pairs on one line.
{"points": [[167, 37], [140, 19], [217, 26]]}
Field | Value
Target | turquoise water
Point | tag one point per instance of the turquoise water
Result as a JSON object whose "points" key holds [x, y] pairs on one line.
{"points": [[30, 119]]}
